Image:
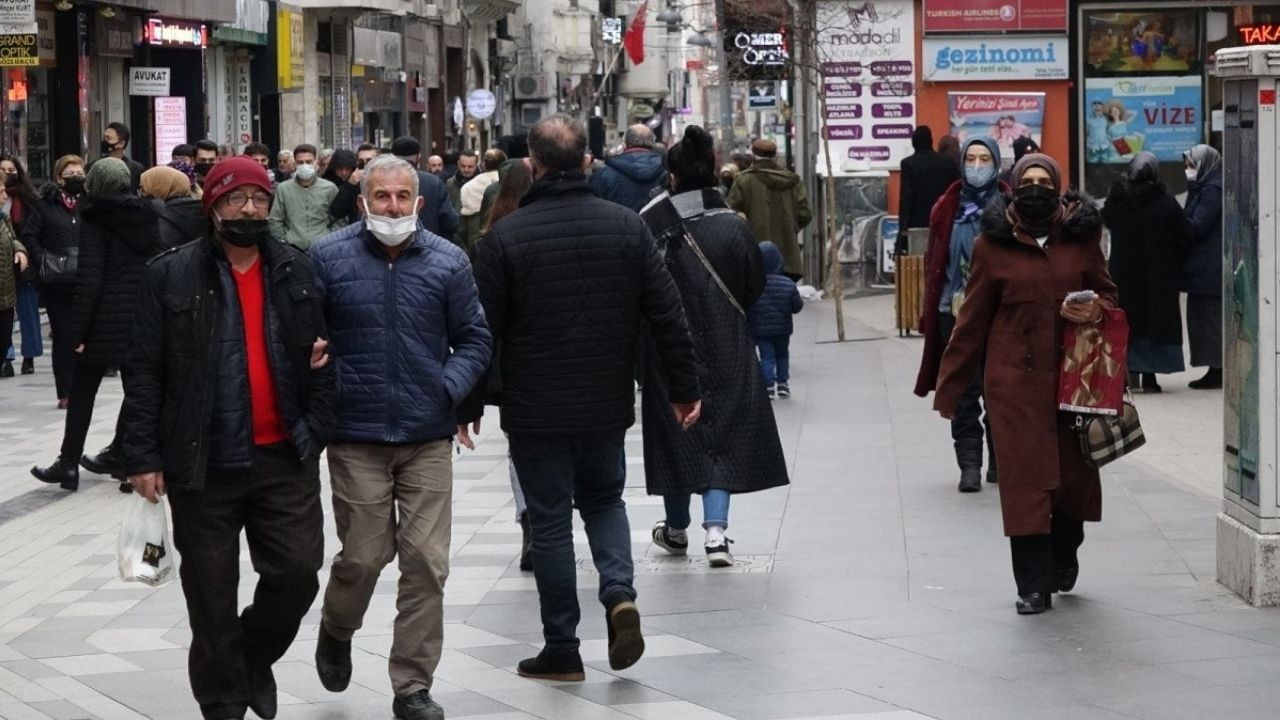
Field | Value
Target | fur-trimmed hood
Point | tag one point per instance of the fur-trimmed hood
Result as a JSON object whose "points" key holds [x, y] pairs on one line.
{"points": [[1084, 221]]}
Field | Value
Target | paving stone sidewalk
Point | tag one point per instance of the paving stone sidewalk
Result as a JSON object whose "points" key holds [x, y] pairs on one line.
{"points": [[868, 590]]}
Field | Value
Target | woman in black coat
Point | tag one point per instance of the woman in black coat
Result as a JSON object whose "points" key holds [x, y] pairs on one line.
{"points": [[52, 229], [1149, 240], [118, 236], [734, 448], [1202, 273]]}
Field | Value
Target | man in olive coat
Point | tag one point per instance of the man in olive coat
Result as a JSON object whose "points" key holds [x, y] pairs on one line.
{"points": [[775, 204]]}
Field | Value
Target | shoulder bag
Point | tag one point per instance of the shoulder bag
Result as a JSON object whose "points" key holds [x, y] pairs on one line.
{"points": [[56, 269], [1105, 438]]}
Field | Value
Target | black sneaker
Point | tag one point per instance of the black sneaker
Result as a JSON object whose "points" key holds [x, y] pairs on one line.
{"points": [[626, 644], [333, 662], [561, 665], [417, 706], [262, 693], [718, 555], [662, 538], [783, 390]]}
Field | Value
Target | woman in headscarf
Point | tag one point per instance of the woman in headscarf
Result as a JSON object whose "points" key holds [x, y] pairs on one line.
{"points": [[118, 235], [953, 229], [717, 267], [1036, 247], [175, 201], [1202, 272], [1150, 236]]}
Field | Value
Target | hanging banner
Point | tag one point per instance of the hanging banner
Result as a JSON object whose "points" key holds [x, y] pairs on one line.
{"points": [[17, 12], [949, 16], [1125, 116], [170, 126], [867, 52], [1017, 57], [1004, 117], [242, 98]]}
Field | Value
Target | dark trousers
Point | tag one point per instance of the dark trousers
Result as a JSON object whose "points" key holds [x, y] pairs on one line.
{"points": [[588, 472], [967, 425], [6, 332], [775, 359], [1038, 558], [277, 505], [86, 378], [57, 303]]}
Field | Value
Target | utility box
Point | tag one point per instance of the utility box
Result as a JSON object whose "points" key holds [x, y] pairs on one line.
{"points": [[1249, 525]]}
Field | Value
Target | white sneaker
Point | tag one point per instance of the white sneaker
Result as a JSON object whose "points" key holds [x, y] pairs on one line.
{"points": [[718, 554]]}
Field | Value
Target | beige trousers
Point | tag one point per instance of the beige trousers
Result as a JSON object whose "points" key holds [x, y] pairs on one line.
{"points": [[391, 500]]}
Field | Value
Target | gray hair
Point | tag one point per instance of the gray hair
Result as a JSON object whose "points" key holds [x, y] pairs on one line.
{"points": [[386, 164], [638, 136]]}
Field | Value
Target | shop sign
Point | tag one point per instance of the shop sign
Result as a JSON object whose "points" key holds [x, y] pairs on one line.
{"points": [[1261, 34], [756, 54], [942, 16], [611, 30], [19, 50], [242, 96], [175, 33], [1161, 115], [1015, 57], [115, 36], [290, 49], [170, 126], [764, 95], [1004, 117], [149, 81], [17, 12], [481, 104], [867, 52]]}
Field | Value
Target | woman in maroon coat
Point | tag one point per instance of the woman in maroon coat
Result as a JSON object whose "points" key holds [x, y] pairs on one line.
{"points": [[1034, 250]]}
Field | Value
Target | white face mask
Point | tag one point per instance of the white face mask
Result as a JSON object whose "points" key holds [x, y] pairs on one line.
{"points": [[305, 173], [1192, 173], [391, 231]]}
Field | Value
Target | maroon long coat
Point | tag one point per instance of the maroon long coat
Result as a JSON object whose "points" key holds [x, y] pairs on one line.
{"points": [[937, 256], [1011, 306]]}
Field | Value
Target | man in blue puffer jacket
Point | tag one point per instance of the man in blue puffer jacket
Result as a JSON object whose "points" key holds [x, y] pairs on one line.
{"points": [[770, 322], [409, 341], [629, 179]]}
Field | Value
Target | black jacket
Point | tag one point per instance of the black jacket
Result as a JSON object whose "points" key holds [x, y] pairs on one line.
{"points": [[118, 236], [1150, 237], [344, 205], [174, 373], [567, 282], [50, 227], [926, 175], [181, 220]]}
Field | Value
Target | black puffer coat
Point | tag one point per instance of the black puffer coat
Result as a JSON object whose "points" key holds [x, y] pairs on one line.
{"points": [[567, 282], [1150, 238], [118, 236], [181, 220], [50, 227]]}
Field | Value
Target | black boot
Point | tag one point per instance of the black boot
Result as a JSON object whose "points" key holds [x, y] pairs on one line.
{"points": [[28, 366], [1149, 384], [6, 369], [562, 665], [333, 661], [107, 462], [1212, 380], [969, 458], [526, 543], [62, 473], [263, 698]]}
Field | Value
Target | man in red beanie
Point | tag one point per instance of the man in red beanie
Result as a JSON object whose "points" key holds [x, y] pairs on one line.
{"points": [[227, 409]]}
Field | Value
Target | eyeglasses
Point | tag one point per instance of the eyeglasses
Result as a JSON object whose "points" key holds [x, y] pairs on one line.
{"points": [[236, 200]]}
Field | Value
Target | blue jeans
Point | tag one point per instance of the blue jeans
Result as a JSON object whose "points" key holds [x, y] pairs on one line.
{"points": [[557, 474], [775, 359], [715, 509], [29, 322]]}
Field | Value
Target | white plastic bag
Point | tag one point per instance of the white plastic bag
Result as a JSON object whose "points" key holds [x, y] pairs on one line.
{"points": [[144, 549]]}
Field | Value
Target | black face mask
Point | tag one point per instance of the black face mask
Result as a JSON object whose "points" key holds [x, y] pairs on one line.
{"points": [[246, 232], [73, 185], [1036, 204], [107, 148], [203, 169]]}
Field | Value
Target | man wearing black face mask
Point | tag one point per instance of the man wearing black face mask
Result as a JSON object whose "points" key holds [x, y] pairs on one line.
{"points": [[115, 139], [206, 157], [227, 406]]}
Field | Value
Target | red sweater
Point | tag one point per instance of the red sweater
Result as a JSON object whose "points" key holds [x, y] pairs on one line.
{"points": [[268, 428]]}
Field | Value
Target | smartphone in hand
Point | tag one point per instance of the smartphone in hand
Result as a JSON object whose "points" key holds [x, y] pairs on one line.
{"points": [[1081, 296]]}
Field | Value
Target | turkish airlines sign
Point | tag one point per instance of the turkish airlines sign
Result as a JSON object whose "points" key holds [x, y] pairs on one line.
{"points": [[952, 16]]}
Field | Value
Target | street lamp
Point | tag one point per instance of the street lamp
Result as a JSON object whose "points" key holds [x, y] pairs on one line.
{"points": [[670, 16], [701, 40]]}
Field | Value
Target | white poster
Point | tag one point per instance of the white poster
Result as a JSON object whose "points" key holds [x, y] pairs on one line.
{"points": [[1016, 57], [867, 52], [170, 125], [149, 81], [18, 12]]}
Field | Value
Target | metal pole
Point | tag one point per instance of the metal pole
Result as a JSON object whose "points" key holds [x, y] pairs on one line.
{"points": [[726, 89]]}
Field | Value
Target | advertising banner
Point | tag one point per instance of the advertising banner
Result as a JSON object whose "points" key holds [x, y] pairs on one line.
{"points": [[1161, 42], [950, 16], [1124, 116], [170, 126], [867, 51], [1005, 117], [22, 50], [1016, 57], [17, 12]]}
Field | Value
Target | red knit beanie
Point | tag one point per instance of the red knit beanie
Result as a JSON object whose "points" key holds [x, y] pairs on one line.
{"points": [[233, 173]]}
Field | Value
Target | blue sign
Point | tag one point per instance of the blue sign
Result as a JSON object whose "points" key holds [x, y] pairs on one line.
{"points": [[1125, 116]]}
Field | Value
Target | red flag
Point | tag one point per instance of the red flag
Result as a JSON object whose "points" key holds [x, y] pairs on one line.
{"points": [[634, 40]]}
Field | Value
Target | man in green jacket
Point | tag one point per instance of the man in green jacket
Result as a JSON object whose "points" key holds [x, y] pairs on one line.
{"points": [[300, 213], [775, 204]]}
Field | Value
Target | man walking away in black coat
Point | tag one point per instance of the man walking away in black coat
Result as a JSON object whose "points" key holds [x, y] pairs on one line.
{"points": [[227, 406], [926, 174], [567, 282]]}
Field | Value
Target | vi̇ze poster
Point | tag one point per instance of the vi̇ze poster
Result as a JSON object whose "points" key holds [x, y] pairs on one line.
{"points": [[1125, 116], [867, 52], [1004, 117]]}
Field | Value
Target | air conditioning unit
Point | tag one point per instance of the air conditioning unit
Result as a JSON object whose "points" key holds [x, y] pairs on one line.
{"points": [[535, 86]]}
